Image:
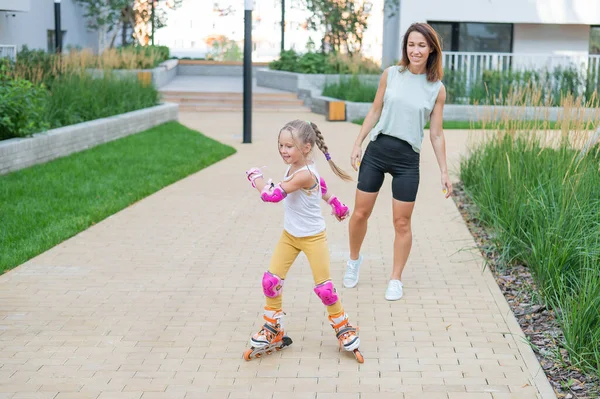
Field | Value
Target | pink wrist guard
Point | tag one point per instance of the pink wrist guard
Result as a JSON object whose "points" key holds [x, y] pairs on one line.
{"points": [[273, 193], [253, 174], [323, 186], [339, 209]]}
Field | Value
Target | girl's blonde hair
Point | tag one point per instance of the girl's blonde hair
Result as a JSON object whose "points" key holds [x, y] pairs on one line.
{"points": [[308, 133]]}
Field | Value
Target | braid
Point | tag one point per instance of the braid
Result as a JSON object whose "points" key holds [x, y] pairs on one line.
{"points": [[320, 141]]}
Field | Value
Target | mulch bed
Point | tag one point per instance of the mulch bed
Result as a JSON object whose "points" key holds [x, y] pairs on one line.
{"points": [[538, 322]]}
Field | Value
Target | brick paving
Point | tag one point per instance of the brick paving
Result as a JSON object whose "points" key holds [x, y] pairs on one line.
{"points": [[160, 299]]}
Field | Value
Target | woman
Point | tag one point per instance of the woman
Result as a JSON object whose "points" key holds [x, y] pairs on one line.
{"points": [[408, 95]]}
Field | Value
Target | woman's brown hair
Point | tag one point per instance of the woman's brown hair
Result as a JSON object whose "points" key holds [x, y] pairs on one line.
{"points": [[434, 68]]}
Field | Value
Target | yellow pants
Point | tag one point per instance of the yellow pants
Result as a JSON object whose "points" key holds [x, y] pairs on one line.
{"points": [[317, 252]]}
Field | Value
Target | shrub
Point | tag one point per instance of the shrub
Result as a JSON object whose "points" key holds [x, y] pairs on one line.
{"points": [[320, 63], [351, 90], [72, 97], [22, 107]]}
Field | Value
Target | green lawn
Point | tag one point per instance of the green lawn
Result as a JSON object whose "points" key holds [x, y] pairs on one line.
{"points": [[46, 204], [455, 125]]}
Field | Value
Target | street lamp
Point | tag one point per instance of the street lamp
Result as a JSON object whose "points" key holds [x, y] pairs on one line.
{"points": [[57, 28], [282, 25], [248, 70], [152, 16]]}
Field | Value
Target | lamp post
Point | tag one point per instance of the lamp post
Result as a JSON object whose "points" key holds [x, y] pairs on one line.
{"points": [[248, 71], [152, 16], [57, 28], [282, 25]]}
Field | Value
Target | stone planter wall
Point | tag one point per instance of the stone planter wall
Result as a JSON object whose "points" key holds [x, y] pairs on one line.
{"points": [[303, 83], [160, 76], [19, 153], [213, 68]]}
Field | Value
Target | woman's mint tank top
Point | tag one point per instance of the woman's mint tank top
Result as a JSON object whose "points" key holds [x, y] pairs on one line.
{"points": [[407, 105]]}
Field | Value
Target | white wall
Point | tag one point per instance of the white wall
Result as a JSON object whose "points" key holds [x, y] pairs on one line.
{"points": [[579, 12], [30, 28], [551, 39], [568, 43], [14, 5]]}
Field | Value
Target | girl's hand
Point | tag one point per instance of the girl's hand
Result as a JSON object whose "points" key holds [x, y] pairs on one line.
{"points": [[356, 157], [446, 185]]}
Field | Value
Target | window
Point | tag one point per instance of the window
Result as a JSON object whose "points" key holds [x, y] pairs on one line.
{"points": [[445, 31], [595, 40], [487, 38], [52, 40], [475, 36]]}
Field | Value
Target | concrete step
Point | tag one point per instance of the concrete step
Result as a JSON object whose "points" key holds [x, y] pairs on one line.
{"points": [[233, 101], [194, 94], [224, 107], [240, 109]]}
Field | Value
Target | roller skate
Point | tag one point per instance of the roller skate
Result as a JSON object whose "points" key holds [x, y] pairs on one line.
{"points": [[270, 338], [346, 334]]}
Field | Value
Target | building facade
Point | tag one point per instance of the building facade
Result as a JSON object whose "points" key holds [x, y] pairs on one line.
{"points": [[31, 23], [551, 27], [569, 28]]}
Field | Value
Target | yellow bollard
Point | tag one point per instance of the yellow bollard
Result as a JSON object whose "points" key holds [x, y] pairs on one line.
{"points": [[336, 111]]}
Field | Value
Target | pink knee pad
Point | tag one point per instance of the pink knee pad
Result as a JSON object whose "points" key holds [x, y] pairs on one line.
{"points": [[272, 285], [327, 293]]}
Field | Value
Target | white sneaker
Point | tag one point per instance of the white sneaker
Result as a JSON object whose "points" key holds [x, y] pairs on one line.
{"points": [[394, 290], [352, 272]]}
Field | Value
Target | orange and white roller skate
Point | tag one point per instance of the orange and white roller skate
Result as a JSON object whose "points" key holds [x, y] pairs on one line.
{"points": [[270, 338], [347, 335]]}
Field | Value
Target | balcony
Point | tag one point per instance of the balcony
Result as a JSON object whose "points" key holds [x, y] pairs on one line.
{"points": [[470, 65], [15, 5], [8, 51]]}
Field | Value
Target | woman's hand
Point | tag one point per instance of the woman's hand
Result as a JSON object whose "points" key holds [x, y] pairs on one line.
{"points": [[446, 185], [356, 157]]}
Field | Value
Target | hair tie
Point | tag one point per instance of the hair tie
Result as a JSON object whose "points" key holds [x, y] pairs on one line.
{"points": [[327, 156], [309, 123]]}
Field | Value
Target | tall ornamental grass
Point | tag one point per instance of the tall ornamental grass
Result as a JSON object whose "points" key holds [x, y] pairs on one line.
{"points": [[538, 192]]}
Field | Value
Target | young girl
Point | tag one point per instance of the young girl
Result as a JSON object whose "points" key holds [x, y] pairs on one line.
{"points": [[304, 230]]}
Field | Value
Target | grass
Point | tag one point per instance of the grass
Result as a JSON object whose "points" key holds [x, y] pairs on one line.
{"points": [[77, 98], [540, 197], [38, 66], [352, 89], [46, 204], [506, 124]]}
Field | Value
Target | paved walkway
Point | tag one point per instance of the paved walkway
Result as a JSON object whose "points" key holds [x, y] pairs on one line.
{"points": [[159, 300]]}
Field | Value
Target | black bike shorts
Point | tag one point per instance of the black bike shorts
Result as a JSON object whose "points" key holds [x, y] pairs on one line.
{"points": [[391, 155]]}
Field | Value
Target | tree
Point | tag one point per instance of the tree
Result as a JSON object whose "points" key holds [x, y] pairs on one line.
{"points": [[343, 23], [223, 49], [109, 16]]}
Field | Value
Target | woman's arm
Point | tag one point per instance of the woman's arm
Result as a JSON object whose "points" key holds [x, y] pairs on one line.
{"points": [[436, 135], [370, 120]]}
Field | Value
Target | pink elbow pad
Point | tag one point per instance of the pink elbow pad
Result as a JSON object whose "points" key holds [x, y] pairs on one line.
{"points": [[339, 209], [273, 193], [323, 186]]}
